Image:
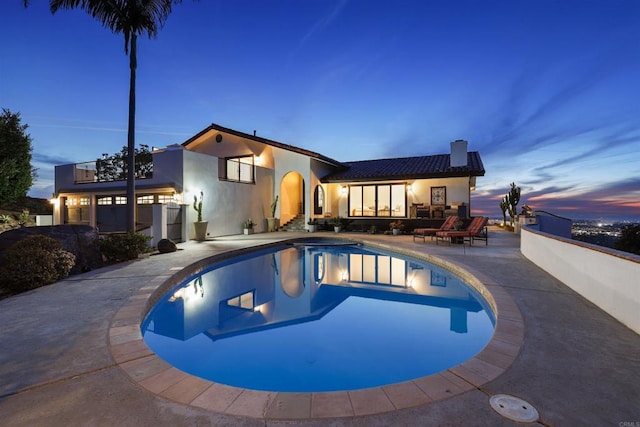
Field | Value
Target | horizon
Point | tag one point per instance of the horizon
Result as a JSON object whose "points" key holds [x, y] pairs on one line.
{"points": [[546, 92]]}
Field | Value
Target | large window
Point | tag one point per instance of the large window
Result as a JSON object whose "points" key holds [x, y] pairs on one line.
{"points": [[378, 200], [239, 169], [377, 270]]}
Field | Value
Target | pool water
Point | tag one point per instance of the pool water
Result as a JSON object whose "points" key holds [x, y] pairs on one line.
{"points": [[318, 318]]}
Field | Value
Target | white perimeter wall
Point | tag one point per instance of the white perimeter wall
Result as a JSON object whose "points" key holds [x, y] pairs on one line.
{"points": [[610, 279]]}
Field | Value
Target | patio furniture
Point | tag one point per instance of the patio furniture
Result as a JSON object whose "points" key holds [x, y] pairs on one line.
{"points": [[424, 232], [477, 230]]}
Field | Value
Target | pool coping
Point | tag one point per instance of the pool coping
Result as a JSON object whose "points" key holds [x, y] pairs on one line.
{"points": [[147, 370]]}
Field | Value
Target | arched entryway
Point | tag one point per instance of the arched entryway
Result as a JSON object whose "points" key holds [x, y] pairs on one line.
{"points": [[291, 196]]}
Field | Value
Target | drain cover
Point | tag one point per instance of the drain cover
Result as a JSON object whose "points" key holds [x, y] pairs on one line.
{"points": [[513, 408]]}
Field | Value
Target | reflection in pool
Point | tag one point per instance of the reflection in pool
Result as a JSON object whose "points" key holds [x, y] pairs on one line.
{"points": [[318, 318]]}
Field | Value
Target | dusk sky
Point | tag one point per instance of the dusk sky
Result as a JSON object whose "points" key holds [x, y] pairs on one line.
{"points": [[547, 91]]}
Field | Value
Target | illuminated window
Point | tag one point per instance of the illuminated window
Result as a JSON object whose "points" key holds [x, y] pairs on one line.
{"points": [[145, 200], [244, 301], [165, 198], [71, 201], [377, 270], [378, 200], [84, 201], [105, 200], [239, 169], [120, 200]]}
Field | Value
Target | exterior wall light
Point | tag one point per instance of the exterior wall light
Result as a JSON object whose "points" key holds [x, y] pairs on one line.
{"points": [[343, 191]]}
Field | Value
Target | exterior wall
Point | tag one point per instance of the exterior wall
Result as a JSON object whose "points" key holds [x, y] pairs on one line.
{"points": [[607, 278], [288, 161], [457, 190], [226, 205]]}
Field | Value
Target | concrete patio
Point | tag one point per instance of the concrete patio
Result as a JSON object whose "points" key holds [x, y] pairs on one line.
{"points": [[576, 365]]}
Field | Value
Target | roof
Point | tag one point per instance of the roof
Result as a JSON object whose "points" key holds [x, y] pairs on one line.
{"points": [[218, 128], [436, 166]]}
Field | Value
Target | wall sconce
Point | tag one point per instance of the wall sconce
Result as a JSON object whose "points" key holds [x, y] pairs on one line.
{"points": [[343, 191], [257, 160], [344, 276], [257, 308], [410, 188], [54, 201]]}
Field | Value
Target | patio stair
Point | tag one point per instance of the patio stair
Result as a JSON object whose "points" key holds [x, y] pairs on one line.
{"points": [[295, 224]]}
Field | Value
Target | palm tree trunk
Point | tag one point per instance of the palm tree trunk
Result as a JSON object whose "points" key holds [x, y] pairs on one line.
{"points": [[131, 143]]}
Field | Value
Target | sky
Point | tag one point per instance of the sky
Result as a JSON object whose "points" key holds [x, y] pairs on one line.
{"points": [[548, 91]]}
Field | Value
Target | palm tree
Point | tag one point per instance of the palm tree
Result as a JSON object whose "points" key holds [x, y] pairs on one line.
{"points": [[131, 18]]}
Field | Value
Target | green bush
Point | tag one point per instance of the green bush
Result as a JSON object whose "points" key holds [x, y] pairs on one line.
{"points": [[33, 262], [124, 247]]}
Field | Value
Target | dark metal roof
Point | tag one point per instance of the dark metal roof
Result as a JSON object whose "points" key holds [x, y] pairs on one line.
{"points": [[312, 154], [436, 166]]}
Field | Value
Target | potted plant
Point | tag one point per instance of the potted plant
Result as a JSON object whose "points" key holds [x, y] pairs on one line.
{"points": [[458, 224], [200, 225], [336, 221], [396, 227], [248, 226], [311, 225], [271, 222]]}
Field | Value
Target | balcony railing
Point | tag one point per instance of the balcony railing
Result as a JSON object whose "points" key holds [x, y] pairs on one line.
{"points": [[109, 170]]}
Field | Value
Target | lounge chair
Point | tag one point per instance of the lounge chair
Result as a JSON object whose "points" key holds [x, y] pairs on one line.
{"points": [[446, 225], [477, 230]]}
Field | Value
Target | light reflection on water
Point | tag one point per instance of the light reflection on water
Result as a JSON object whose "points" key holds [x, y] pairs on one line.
{"points": [[318, 318]]}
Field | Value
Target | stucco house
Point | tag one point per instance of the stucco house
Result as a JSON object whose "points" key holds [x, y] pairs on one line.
{"points": [[240, 174]]}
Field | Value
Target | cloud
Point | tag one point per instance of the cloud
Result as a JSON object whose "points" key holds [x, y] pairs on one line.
{"points": [[323, 22]]}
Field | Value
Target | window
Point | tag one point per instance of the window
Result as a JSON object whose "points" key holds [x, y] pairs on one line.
{"points": [[377, 270], [105, 200], [84, 201], [145, 200], [239, 169], [120, 200], [244, 301], [71, 202], [165, 198], [318, 200], [378, 200]]}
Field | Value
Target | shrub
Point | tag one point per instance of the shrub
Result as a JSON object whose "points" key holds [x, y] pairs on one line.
{"points": [[35, 261], [5, 219], [124, 247]]}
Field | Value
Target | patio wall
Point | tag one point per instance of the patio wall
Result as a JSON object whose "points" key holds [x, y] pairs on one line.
{"points": [[606, 277]]}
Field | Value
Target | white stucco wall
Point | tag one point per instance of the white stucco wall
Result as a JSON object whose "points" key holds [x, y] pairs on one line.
{"points": [[607, 278], [226, 205]]}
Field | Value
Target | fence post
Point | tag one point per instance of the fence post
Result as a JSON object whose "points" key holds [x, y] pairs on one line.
{"points": [[159, 225]]}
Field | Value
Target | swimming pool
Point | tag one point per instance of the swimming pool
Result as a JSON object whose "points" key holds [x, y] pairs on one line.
{"points": [[318, 318]]}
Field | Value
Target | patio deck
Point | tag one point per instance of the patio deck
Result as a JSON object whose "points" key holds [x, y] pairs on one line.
{"points": [[577, 365]]}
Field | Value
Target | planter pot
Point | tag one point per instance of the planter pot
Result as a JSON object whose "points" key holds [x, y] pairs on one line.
{"points": [[311, 228], [395, 231], [272, 224], [248, 231], [201, 230], [337, 229]]}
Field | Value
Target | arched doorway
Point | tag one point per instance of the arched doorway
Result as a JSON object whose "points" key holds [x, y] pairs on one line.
{"points": [[291, 196]]}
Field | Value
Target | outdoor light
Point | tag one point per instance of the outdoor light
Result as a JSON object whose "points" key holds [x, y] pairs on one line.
{"points": [[257, 308], [54, 201], [343, 191], [344, 276]]}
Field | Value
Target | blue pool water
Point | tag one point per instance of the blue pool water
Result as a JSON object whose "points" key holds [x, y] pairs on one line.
{"points": [[318, 318]]}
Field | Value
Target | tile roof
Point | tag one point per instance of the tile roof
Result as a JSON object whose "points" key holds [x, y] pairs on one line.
{"points": [[436, 166]]}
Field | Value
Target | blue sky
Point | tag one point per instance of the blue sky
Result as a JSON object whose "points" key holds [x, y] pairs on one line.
{"points": [[547, 91]]}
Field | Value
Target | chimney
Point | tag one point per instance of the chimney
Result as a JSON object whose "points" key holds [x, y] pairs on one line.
{"points": [[458, 153]]}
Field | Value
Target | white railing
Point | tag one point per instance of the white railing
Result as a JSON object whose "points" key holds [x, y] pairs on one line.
{"points": [[608, 278]]}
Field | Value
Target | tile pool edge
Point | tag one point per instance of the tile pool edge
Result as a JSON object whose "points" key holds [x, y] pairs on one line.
{"points": [[147, 370]]}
